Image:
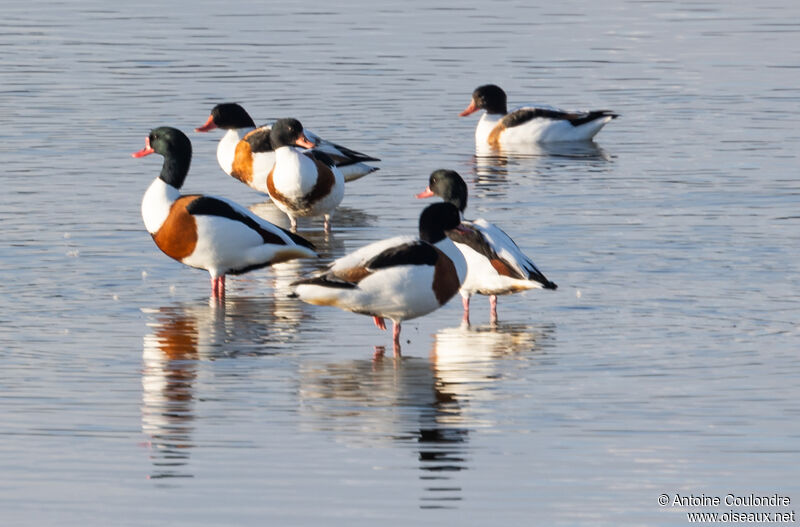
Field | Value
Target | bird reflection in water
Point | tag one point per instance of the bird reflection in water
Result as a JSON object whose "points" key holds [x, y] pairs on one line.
{"points": [[467, 359], [169, 373], [183, 340], [327, 244], [391, 401], [493, 165], [433, 405]]}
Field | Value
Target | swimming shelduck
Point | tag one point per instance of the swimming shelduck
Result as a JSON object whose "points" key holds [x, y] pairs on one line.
{"points": [[399, 278], [495, 265], [302, 183], [246, 153], [206, 232], [499, 128]]}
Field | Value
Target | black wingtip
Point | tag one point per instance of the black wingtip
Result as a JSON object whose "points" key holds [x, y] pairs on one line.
{"points": [[325, 281], [299, 240], [551, 285], [292, 295]]}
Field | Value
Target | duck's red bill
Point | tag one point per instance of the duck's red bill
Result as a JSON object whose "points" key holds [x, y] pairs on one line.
{"points": [[210, 125], [472, 108], [304, 142], [146, 151], [427, 193]]}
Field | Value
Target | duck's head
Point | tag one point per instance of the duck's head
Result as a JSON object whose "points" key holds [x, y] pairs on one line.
{"points": [[176, 149], [489, 97], [288, 132], [166, 141], [436, 220], [228, 116], [448, 185]]}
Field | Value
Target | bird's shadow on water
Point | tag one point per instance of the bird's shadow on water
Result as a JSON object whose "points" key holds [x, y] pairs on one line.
{"points": [[430, 405]]}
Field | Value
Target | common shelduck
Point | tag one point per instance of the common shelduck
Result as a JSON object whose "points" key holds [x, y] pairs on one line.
{"points": [[399, 278], [499, 128], [302, 183], [246, 153], [495, 265], [206, 232]]}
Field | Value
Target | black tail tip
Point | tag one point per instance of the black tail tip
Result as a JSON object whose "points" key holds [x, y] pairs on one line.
{"points": [[292, 295], [551, 285]]}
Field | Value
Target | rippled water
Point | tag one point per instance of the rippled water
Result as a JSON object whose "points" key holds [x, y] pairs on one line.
{"points": [[666, 362]]}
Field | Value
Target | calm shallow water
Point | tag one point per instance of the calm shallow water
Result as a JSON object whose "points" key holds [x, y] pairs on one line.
{"points": [[666, 362]]}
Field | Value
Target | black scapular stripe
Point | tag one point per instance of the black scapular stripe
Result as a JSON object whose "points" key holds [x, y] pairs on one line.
{"points": [[210, 206], [326, 280], [356, 157], [413, 253], [473, 239], [524, 115]]}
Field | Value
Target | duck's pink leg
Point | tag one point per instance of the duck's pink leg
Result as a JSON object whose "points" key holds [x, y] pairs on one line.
{"points": [[465, 303], [493, 308], [218, 287], [396, 338], [380, 323]]}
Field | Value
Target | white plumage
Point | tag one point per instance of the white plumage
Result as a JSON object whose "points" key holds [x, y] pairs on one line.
{"points": [[399, 278], [498, 127], [207, 232]]}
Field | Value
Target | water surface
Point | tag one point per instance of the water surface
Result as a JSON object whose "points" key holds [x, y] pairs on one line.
{"points": [[665, 362]]}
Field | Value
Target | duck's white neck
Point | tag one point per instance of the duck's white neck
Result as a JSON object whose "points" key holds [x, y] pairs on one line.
{"points": [[226, 149], [485, 126], [156, 204]]}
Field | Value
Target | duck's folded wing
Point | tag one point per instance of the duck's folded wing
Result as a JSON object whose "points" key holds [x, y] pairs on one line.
{"points": [[524, 115], [361, 256], [342, 155], [270, 233], [348, 271], [505, 256], [416, 252]]}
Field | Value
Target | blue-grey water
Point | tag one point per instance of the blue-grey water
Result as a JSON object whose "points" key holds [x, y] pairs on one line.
{"points": [[667, 362]]}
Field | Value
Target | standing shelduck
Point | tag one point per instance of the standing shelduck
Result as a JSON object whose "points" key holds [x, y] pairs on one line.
{"points": [[399, 278], [529, 125], [495, 265], [246, 152], [303, 182], [206, 232]]}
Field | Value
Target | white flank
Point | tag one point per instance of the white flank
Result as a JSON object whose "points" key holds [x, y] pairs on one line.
{"points": [[399, 293], [539, 130]]}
